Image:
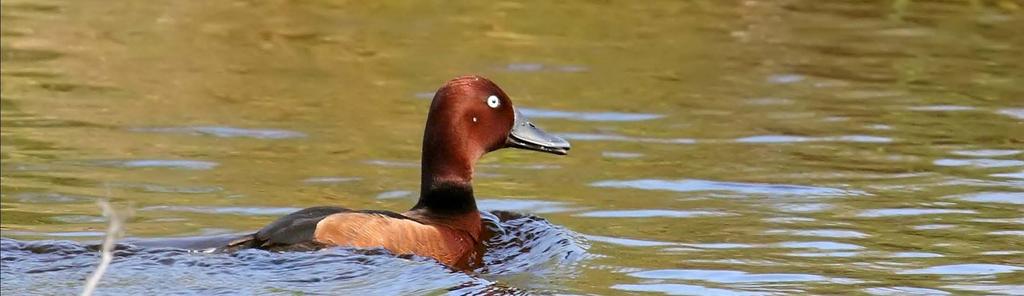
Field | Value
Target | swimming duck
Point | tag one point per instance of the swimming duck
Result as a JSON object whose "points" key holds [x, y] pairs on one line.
{"points": [[469, 117]]}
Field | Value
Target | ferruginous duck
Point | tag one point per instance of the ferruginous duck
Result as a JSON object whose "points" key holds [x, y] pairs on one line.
{"points": [[469, 117]]}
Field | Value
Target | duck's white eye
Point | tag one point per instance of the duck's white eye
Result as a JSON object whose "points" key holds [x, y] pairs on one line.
{"points": [[493, 101]]}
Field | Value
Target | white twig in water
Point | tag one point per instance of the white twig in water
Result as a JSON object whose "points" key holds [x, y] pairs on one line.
{"points": [[114, 231]]}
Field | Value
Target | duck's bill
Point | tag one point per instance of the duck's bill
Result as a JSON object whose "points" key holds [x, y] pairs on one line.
{"points": [[527, 136]]}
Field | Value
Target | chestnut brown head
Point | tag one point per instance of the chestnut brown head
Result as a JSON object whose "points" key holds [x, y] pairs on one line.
{"points": [[470, 116], [474, 116]]}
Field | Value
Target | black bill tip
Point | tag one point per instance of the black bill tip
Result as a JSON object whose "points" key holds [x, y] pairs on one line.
{"points": [[526, 135]]}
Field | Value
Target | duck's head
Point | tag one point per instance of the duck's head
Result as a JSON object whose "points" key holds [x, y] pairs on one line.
{"points": [[473, 115], [469, 117]]}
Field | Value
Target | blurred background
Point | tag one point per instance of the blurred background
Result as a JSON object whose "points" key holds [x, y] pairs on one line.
{"points": [[719, 147]]}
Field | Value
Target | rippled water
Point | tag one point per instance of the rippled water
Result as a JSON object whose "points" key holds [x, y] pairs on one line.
{"points": [[520, 245], [719, 147]]}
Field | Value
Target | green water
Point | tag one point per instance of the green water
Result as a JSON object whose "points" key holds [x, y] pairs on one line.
{"points": [[799, 146]]}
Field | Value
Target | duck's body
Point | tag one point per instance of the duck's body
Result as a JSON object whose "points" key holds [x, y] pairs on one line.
{"points": [[468, 117], [454, 242]]}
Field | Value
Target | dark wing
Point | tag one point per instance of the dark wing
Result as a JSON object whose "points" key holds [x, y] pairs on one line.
{"points": [[295, 231]]}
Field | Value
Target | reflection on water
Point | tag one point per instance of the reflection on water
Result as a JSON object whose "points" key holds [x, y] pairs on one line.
{"points": [[910, 212], [224, 132], [719, 147], [792, 139], [622, 138], [965, 269], [650, 214], [995, 197], [523, 205], [246, 211], [1015, 113], [979, 162], [688, 185], [587, 116], [724, 276], [162, 163]]}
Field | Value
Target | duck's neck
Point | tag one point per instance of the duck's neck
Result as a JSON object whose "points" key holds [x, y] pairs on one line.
{"points": [[447, 199], [446, 181]]}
